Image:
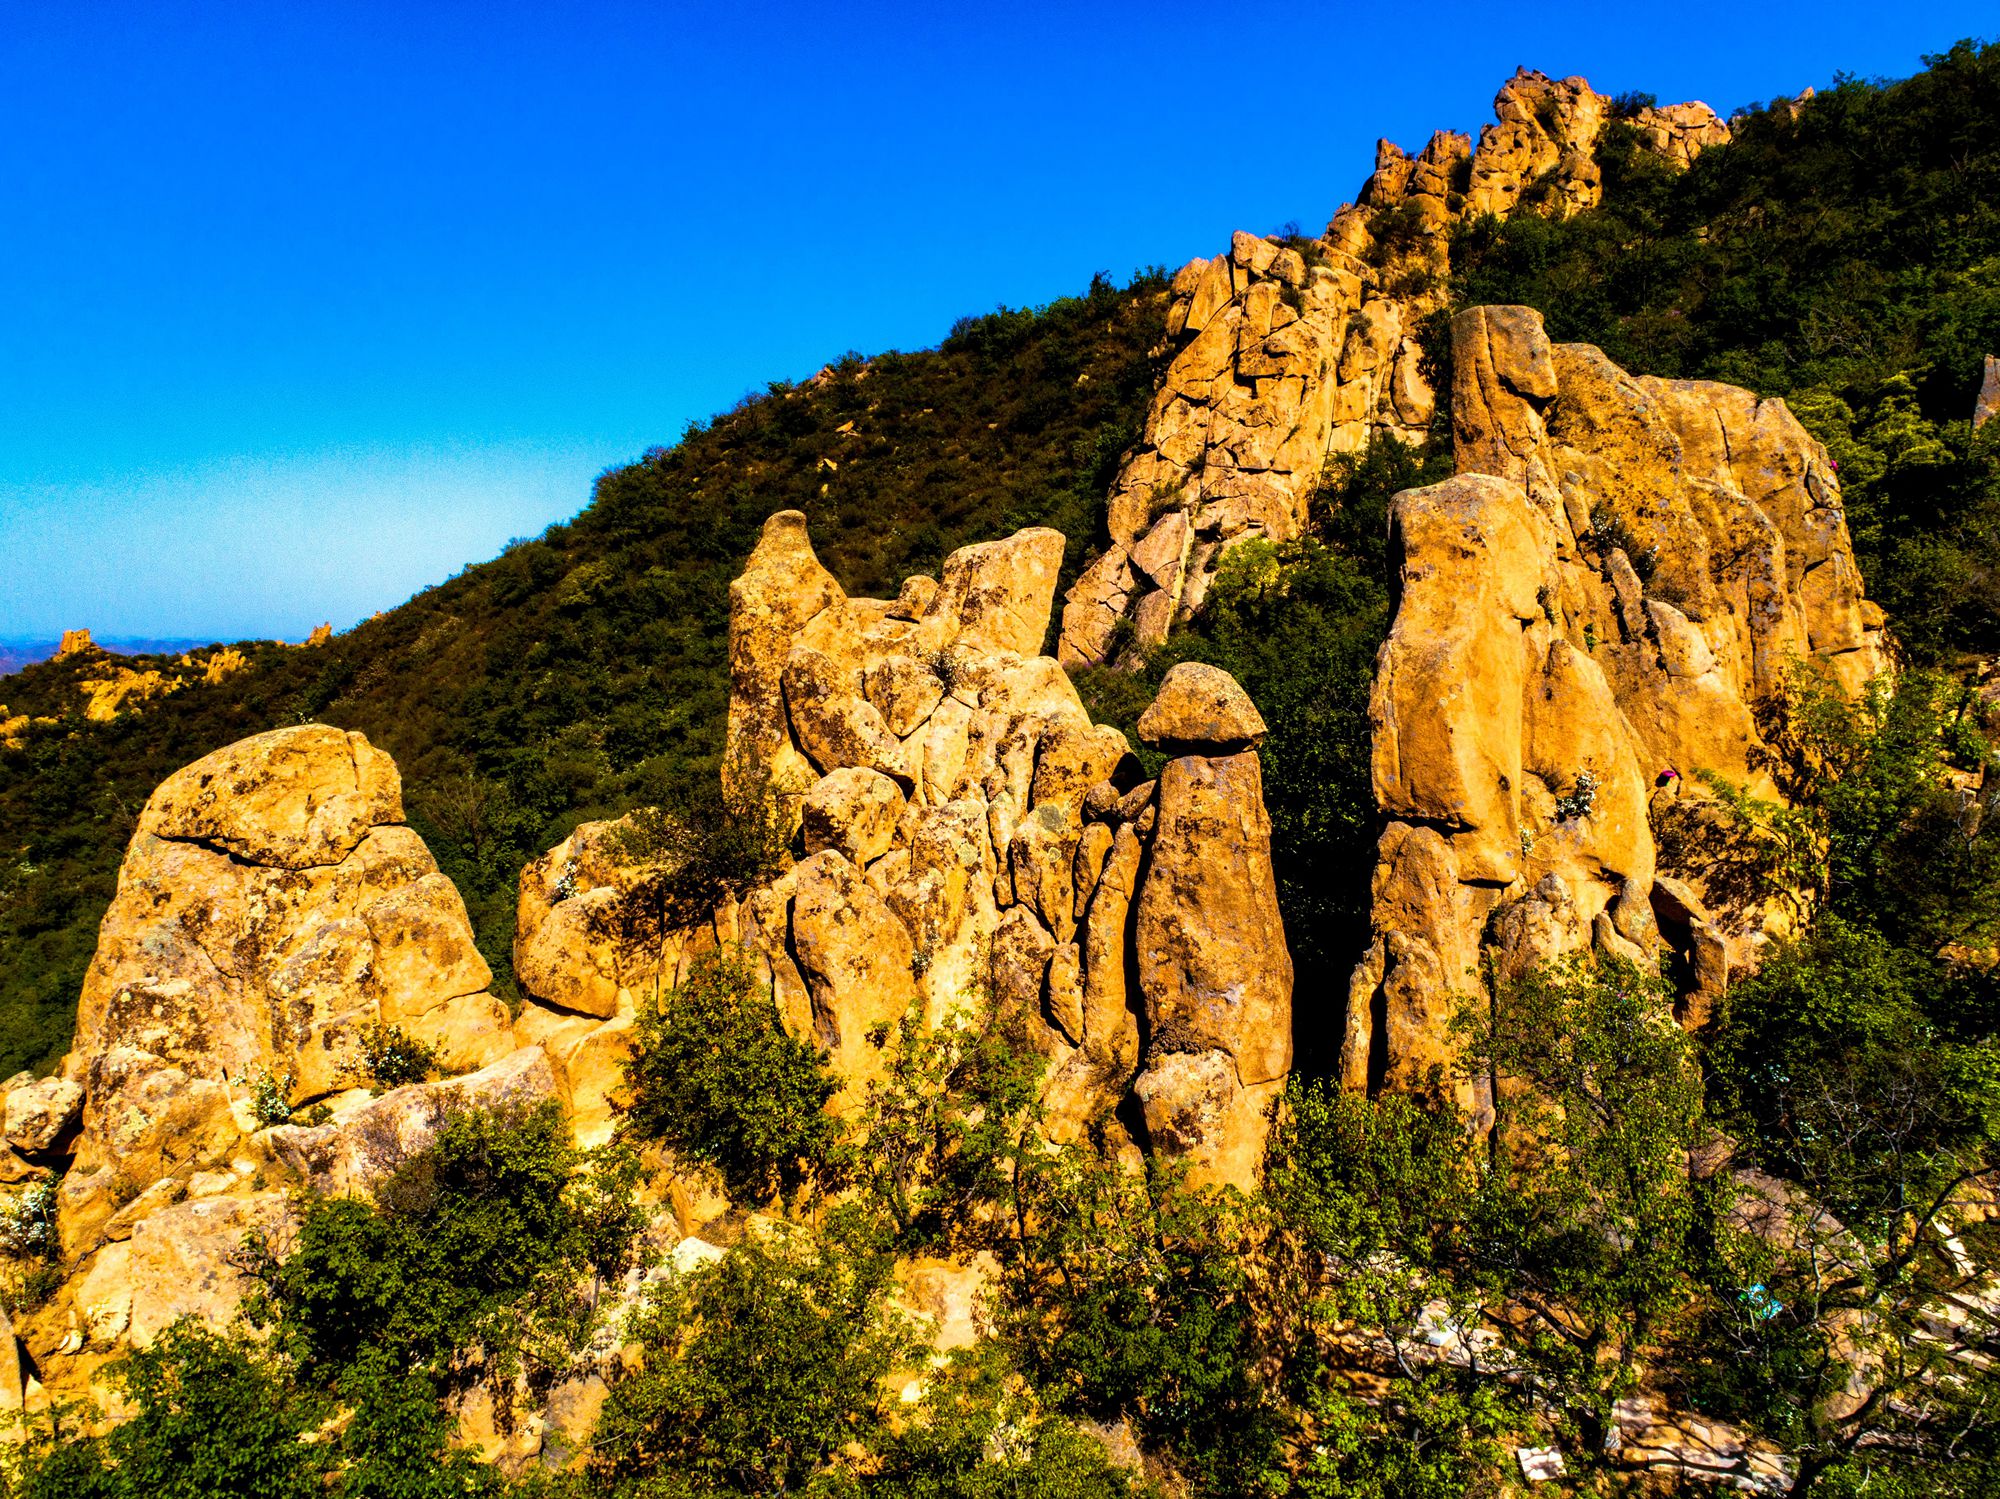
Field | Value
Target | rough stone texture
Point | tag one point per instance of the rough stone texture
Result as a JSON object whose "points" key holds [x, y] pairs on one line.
{"points": [[1590, 610], [40, 1113], [1284, 356], [184, 1260], [967, 835], [288, 799], [269, 906], [366, 1141], [1988, 405], [1212, 965], [1201, 710], [782, 589]]}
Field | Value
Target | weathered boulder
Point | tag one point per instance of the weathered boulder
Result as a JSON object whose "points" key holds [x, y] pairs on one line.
{"points": [[364, 1143], [854, 810], [1200, 710], [40, 1113], [270, 907], [781, 590], [287, 799], [1588, 611]]}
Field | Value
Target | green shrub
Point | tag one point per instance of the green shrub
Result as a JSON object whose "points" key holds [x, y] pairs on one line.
{"points": [[392, 1057], [942, 1130], [210, 1419], [977, 1435], [716, 1079], [1133, 1297], [759, 1370], [478, 1239], [270, 1098], [28, 1226]]}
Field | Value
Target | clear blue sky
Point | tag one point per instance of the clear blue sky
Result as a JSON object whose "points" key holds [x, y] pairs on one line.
{"points": [[304, 306]]}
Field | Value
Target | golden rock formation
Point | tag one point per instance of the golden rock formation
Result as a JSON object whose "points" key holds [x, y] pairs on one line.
{"points": [[1286, 354], [1601, 604]]}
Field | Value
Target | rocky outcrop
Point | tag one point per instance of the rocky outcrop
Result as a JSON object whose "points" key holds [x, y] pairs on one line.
{"points": [[1604, 601], [972, 836], [1988, 405], [272, 906], [271, 909], [1287, 353]]}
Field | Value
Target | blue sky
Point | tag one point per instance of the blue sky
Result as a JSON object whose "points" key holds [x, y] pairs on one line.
{"points": [[308, 305]]}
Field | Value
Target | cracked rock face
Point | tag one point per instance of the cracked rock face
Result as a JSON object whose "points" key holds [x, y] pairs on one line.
{"points": [[1285, 355], [970, 833], [270, 905], [1603, 602]]}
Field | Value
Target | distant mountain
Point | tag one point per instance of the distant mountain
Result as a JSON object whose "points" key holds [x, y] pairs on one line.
{"points": [[17, 651]]}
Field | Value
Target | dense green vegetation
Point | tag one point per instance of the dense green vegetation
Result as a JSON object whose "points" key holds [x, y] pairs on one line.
{"points": [[583, 671]]}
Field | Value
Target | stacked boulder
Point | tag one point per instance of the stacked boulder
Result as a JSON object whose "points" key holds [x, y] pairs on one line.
{"points": [[971, 837], [1603, 602], [1285, 354]]}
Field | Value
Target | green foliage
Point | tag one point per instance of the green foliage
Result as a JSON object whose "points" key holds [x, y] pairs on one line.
{"points": [[1133, 1296], [393, 1057], [1577, 1237], [1865, 1077], [219, 1416], [28, 1224], [760, 1369], [976, 1435], [1433, 1435], [696, 850], [943, 1130], [1595, 1217], [1849, 1065], [480, 1239], [270, 1098], [716, 1079], [1879, 831], [210, 1419]]}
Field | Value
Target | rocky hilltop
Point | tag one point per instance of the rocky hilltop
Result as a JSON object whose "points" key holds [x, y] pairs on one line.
{"points": [[1286, 353]]}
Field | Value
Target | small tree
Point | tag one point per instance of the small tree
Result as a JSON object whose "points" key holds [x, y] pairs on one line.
{"points": [[944, 1129], [716, 1079]]}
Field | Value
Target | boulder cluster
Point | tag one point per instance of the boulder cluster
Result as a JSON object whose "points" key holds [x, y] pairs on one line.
{"points": [[1286, 353], [969, 840], [972, 837], [1599, 605]]}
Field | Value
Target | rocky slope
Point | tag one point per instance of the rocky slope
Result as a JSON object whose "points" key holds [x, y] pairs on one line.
{"points": [[1286, 353], [966, 833]]}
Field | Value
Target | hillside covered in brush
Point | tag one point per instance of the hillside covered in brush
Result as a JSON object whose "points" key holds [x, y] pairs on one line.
{"points": [[585, 670], [1840, 253]]}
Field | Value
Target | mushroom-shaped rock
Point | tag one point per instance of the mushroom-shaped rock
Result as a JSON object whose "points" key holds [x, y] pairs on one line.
{"points": [[1201, 710]]}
